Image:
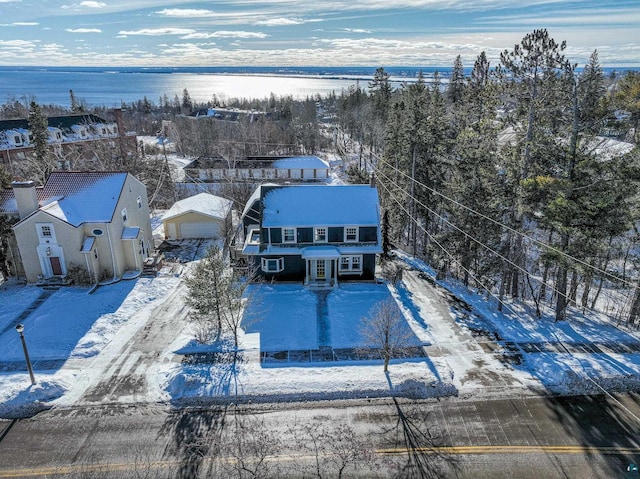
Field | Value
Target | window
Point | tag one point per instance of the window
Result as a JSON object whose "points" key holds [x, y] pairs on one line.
{"points": [[139, 201], [124, 214], [320, 235], [97, 232], [351, 264], [46, 233], [272, 265], [253, 235], [288, 235], [350, 234]]}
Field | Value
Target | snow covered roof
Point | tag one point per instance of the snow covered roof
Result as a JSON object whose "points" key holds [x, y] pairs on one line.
{"points": [[302, 162], [130, 233], [313, 252], [83, 197], [76, 197], [315, 205], [87, 244], [204, 203], [255, 196]]}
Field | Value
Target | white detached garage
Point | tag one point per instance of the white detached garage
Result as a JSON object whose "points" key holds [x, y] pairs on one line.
{"points": [[201, 216]]}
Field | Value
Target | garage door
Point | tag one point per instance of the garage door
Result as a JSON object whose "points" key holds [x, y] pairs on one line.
{"points": [[199, 230]]}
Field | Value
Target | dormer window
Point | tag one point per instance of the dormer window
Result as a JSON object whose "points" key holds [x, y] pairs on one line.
{"points": [[351, 234], [320, 235], [288, 235]]}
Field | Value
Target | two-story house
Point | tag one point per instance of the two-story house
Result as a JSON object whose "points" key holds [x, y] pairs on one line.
{"points": [[316, 234], [96, 221]]}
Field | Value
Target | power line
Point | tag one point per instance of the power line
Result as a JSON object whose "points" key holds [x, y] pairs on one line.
{"points": [[507, 260], [509, 228], [453, 258]]}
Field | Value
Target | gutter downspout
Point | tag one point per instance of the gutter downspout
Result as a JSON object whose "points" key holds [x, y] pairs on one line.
{"points": [[113, 259], [86, 260]]}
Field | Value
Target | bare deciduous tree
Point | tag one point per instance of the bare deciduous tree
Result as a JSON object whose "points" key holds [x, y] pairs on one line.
{"points": [[385, 328]]}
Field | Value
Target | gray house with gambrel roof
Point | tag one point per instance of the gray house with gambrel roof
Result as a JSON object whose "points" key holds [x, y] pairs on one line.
{"points": [[319, 235]]}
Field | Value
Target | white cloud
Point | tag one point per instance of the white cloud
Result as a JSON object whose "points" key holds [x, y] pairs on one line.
{"points": [[237, 34], [186, 12], [276, 22], [198, 36], [17, 43], [93, 4], [358, 30], [157, 31], [19, 24], [83, 30]]}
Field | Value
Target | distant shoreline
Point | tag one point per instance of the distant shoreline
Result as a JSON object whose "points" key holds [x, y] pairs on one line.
{"points": [[109, 86]]}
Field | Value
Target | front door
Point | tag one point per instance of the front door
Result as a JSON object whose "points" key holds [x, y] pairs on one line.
{"points": [[321, 271], [56, 268]]}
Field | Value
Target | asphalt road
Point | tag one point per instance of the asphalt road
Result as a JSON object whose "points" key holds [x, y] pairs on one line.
{"points": [[581, 437]]}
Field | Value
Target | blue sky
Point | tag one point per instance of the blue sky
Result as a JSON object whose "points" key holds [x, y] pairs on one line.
{"points": [[306, 32]]}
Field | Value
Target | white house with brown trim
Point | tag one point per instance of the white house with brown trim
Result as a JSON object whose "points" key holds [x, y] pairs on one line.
{"points": [[97, 221]]}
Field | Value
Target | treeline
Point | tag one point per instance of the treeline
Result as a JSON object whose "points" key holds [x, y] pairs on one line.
{"points": [[503, 178]]}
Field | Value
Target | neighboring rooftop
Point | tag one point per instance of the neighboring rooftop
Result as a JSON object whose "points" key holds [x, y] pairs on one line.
{"points": [[62, 122], [251, 162], [204, 203]]}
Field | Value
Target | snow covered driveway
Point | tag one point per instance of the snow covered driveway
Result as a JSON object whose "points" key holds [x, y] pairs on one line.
{"points": [[475, 364]]}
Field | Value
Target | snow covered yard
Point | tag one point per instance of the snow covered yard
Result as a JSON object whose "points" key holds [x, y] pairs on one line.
{"points": [[586, 354], [471, 349], [284, 318]]}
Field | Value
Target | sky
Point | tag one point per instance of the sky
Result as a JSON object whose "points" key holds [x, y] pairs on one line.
{"points": [[307, 33]]}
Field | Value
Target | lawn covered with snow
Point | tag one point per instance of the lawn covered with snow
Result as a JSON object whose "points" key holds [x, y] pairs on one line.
{"points": [[73, 329]]}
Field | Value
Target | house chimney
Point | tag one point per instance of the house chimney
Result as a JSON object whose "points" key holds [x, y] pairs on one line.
{"points": [[372, 180], [26, 198]]}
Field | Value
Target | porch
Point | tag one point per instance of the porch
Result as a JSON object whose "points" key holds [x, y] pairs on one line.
{"points": [[321, 267]]}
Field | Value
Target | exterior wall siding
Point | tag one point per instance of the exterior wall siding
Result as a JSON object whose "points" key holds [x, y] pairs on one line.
{"points": [[276, 235], [294, 268], [368, 234], [335, 234], [190, 217], [305, 235]]}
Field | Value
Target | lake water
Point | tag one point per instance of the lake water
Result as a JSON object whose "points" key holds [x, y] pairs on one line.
{"points": [[110, 87]]}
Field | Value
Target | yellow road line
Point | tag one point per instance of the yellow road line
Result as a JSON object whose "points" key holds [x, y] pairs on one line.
{"points": [[514, 450], [451, 450]]}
